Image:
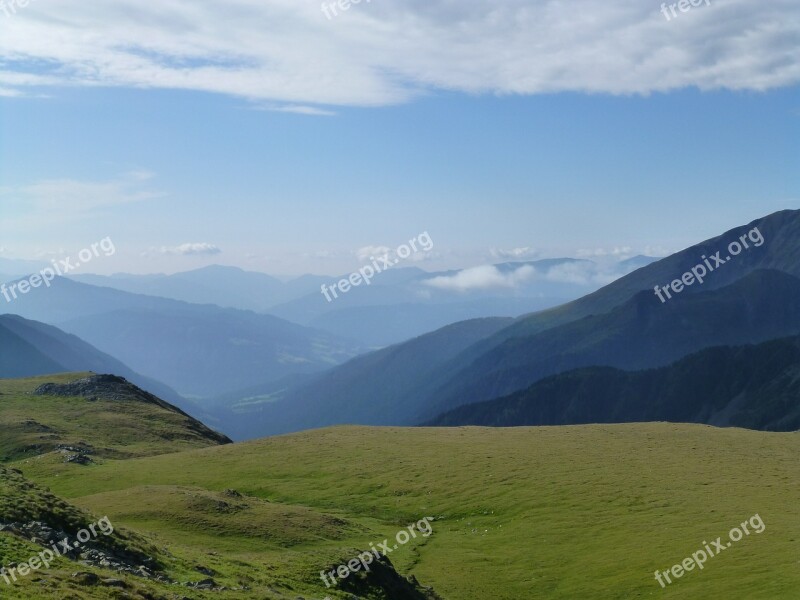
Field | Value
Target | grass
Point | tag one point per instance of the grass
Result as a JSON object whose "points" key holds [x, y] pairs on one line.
{"points": [[32, 425], [552, 512]]}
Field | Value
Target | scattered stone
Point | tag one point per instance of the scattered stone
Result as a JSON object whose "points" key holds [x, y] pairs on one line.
{"points": [[205, 584], [86, 578], [205, 570]]}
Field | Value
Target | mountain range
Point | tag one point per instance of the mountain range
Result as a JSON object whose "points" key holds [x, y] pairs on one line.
{"points": [[751, 299], [199, 350], [253, 374], [398, 305]]}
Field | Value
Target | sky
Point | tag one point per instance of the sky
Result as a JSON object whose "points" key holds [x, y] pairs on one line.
{"points": [[265, 135]]}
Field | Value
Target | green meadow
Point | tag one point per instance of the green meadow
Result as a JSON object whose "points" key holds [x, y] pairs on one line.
{"points": [[560, 512]]}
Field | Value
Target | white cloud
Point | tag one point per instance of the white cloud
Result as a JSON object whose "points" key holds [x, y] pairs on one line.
{"points": [[514, 253], [285, 51], [368, 253], [482, 278], [193, 249], [10, 93], [301, 110], [619, 252], [586, 273]]}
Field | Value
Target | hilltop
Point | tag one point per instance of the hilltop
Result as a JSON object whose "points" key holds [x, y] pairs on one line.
{"points": [[85, 418]]}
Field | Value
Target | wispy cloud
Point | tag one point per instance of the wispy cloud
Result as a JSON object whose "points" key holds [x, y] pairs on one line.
{"points": [[289, 53], [191, 249], [52, 202], [618, 252], [78, 196], [586, 273], [514, 253], [301, 110], [482, 278], [368, 253]]}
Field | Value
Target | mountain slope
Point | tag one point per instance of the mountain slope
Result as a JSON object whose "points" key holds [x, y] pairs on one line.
{"points": [[780, 251], [91, 418], [384, 325], [201, 350], [376, 387], [640, 334], [19, 358], [228, 287], [205, 353], [755, 387], [59, 352]]}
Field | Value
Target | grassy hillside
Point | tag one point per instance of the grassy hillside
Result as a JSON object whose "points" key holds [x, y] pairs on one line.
{"points": [[568, 512], [40, 513], [96, 427]]}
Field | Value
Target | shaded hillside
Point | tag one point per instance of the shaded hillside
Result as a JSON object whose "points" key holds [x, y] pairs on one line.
{"points": [[19, 358], [372, 389], [207, 355], [755, 387], [640, 334], [84, 418], [31, 348], [780, 252], [383, 325]]}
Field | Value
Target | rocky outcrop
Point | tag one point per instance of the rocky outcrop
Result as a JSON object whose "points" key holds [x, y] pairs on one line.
{"points": [[118, 389]]}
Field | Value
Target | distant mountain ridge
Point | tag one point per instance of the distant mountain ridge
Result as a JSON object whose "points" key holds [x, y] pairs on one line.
{"points": [[399, 304], [228, 287]]}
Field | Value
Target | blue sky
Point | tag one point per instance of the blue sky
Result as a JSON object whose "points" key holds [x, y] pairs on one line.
{"points": [[299, 184]]}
